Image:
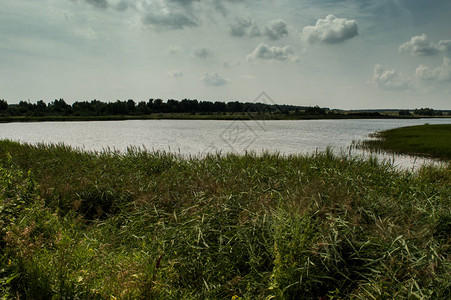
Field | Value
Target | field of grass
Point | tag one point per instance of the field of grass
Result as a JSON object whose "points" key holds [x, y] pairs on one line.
{"points": [[424, 140], [146, 225]]}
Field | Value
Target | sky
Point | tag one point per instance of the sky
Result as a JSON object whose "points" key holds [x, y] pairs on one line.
{"points": [[347, 54]]}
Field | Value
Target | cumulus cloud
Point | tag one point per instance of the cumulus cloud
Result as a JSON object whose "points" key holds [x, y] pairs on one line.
{"points": [[331, 30], [276, 29], [201, 53], [445, 45], [244, 27], [214, 79], [390, 79], [168, 14], [440, 73], [264, 51], [419, 45]]}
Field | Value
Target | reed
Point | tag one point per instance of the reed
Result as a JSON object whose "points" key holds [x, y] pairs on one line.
{"points": [[153, 225]]}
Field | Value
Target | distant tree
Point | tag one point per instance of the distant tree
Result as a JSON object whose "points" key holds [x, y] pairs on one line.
{"points": [[235, 106], [150, 105], [60, 107], [189, 106], [172, 106], [206, 106], [427, 112], [84, 108], [39, 109], [142, 108], [316, 110], [158, 105], [220, 106], [24, 108], [130, 107], [251, 107], [118, 108], [3, 105], [403, 112]]}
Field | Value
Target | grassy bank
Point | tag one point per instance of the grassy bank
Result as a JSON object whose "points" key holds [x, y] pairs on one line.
{"points": [[425, 140], [144, 225]]}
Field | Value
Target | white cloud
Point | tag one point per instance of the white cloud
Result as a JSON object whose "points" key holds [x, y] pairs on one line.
{"points": [[331, 30], [440, 73], [264, 51], [176, 14], [244, 27], [419, 45], [445, 45], [214, 79], [389, 80], [168, 14], [276, 29]]}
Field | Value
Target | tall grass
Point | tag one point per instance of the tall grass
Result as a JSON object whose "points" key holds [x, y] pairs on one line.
{"points": [[426, 140], [152, 225]]}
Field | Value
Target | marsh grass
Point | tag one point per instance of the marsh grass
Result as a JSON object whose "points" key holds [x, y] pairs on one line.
{"points": [[425, 140], [153, 225]]}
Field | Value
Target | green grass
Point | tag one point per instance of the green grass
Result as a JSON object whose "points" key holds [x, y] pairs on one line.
{"points": [[424, 140], [146, 225]]}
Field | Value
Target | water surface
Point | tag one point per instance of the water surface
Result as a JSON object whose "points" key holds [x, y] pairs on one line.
{"points": [[197, 137]]}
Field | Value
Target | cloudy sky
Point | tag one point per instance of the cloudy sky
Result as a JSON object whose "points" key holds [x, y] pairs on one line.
{"points": [[337, 53]]}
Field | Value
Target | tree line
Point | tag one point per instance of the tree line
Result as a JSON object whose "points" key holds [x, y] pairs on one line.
{"points": [[130, 107]]}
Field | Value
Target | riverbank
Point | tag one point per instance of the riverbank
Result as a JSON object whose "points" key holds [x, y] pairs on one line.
{"points": [[219, 116], [152, 225], [425, 140]]}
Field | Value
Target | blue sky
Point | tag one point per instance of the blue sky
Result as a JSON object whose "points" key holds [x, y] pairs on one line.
{"points": [[339, 54]]}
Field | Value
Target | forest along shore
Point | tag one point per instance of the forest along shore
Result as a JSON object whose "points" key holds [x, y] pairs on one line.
{"points": [[187, 109]]}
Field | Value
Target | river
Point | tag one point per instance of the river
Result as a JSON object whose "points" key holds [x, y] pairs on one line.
{"points": [[198, 137]]}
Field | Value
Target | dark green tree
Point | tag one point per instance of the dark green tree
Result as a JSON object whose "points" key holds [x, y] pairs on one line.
{"points": [[3, 105]]}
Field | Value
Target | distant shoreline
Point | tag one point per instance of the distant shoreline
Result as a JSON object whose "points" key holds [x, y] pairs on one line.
{"points": [[225, 117]]}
